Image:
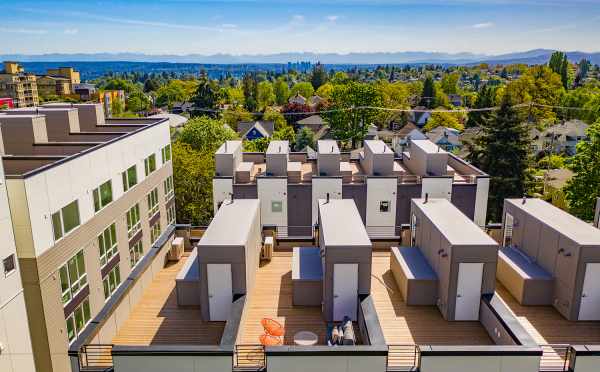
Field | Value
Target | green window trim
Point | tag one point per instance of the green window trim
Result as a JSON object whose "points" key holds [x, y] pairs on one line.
{"points": [[73, 277], [150, 164], [78, 319], [129, 177], [102, 195], [65, 220], [166, 153]]}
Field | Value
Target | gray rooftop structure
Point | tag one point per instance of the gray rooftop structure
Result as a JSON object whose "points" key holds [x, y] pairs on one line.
{"points": [[231, 225], [341, 224], [457, 228], [568, 225]]}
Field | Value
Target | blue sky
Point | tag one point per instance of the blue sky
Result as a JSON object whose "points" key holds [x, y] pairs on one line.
{"points": [[257, 27]]}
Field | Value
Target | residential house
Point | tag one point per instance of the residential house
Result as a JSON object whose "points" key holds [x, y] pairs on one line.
{"points": [[315, 101], [314, 122], [53, 86], [560, 138], [455, 99], [419, 117], [446, 138], [91, 201], [86, 91], [251, 130], [297, 99]]}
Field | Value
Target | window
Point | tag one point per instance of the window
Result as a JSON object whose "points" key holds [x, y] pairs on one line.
{"points": [[171, 214], [150, 164], [509, 223], [65, 220], [384, 206], [152, 198], [155, 232], [102, 195], [111, 281], [72, 277], [9, 264], [166, 153], [107, 244], [78, 319], [168, 186], [276, 206], [133, 220], [129, 178], [135, 253]]}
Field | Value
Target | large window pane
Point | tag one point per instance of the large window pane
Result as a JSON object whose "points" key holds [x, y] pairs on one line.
{"points": [[106, 193], [70, 328], [70, 216], [57, 225], [132, 176], [79, 319], [87, 314]]}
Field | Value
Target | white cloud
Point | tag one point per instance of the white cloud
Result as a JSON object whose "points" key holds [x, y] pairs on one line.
{"points": [[71, 31], [228, 25], [29, 31], [483, 25], [298, 18], [332, 18]]}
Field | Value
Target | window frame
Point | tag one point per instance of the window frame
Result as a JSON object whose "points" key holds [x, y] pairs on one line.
{"points": [[171, 214], [97, 196], [153, 203], [155, 231], [106, 253], [169, 188], [150, 164], [9, 259], [166, 154], [384, 204], [73, 317], [115, 275], [73, 286], [125, 176], [136, 252], [58, 217], [133, 228]]}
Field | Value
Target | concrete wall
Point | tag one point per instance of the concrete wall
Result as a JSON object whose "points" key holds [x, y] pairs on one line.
{"points": [[272, 189], [437, 187], [379, 190], [339, 359], [180, 359], [498, 362], [17, 355]]}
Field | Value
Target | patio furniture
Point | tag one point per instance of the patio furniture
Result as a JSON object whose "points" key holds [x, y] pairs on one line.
{"points": [[270, 340], [306, 338], [272, 327]]}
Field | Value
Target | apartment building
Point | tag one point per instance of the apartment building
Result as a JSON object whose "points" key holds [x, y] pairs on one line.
{"points": [[18, 85], [16, 353], [380, 182], [90, 199], [59, 81]]}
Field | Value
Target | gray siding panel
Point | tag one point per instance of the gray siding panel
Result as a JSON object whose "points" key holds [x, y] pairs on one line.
{"points": [[463, 197], [299, 205], [245, 191], [405, 194], [359, 194]]}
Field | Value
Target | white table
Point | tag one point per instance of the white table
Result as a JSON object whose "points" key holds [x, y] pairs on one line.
{"points": [[306, 338]]}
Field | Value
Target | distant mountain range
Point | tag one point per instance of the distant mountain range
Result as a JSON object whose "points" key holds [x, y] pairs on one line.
{"points": [[536, 56]]}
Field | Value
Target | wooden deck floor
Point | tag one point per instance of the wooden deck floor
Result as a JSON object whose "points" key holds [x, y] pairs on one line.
{"points": [[272, 298], [421, 325], [156, 318], [547, 326]]}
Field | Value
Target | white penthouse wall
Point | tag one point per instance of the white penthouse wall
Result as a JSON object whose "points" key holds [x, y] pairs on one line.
{"points": [[381, 205], [481, 201], [222, 190], [50, 190], [320, 188], [272, 193], [16, 354], [437, 187]]}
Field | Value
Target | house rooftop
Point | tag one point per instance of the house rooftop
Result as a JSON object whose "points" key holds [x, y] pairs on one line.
{"points": [[278, 147], [328, 147], [568, 225], [231, 225], [427, 146], [452, 223], [341, 224], [377, 147], [229, 147]]}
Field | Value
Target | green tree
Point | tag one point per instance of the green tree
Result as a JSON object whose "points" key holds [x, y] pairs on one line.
{"points": [[151, 85], [117, 108], [205, 134], [318, 76], [168, 94], [285, 134], [257, 145], [193, 172], [276, 117], [325, 91], [449, 83], [282, 91], [137, 102], [305, 137], [583, 189], [233, 115], [206, 95], [502, 152], [266, 95], [484, 99], [444, 119], [346, 122], [250, 88], [560, 65], [305, 89], [429, 94]]}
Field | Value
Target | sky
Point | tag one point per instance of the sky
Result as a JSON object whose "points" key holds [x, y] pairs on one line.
{"points": [[266, 27]]}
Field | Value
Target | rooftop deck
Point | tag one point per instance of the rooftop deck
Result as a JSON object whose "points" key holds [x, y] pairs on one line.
{"points": [[156, 318], [272, 298], [420, 325], [547, 326]]}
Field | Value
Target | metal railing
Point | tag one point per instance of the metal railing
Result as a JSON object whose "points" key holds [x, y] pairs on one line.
{"points": [[249, 358], [96, 357], [403, 358], [555, 358], [384, 232], [295, 232]]}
